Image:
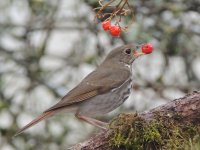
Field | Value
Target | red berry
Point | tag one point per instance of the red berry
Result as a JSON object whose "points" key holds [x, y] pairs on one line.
{"points": [[147, 48], [115, 30], [106, 25]]}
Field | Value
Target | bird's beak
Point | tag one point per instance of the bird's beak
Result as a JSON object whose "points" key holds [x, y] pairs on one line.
{"points": [[137, 54]]}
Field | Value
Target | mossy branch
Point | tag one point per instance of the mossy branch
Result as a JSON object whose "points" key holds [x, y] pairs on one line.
{"points": [[175, 125]]}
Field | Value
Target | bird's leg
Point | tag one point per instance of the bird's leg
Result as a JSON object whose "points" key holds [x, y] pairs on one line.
{"points": [[101, 123], [92, 121]]}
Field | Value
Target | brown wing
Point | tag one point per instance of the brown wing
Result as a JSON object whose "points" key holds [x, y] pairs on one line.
{"points": [[96, 83]]}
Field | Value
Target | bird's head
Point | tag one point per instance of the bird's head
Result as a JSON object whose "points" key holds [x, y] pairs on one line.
{"points": [[125, 54]]}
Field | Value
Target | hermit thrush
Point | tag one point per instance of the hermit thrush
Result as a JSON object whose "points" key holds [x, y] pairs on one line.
{"points": [[103, 90]]}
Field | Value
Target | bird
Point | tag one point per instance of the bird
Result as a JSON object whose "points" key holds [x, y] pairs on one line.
{"points": [[100, 92]]}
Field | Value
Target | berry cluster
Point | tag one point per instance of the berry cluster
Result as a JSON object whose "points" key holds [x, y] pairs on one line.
{"points": [[147, 48], [114, 29]]}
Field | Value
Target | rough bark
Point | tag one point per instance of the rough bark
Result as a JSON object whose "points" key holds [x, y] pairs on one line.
{"points": [[181, 112]]}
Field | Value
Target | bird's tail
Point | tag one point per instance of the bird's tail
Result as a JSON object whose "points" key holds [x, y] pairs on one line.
{"points": [[43, 116]]}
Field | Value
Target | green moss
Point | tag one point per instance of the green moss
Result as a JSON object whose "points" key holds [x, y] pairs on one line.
{"points": [[151, 133], [132, 132]]}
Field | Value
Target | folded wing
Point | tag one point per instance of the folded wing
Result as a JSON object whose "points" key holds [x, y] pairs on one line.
{"points": [[94, 84]]}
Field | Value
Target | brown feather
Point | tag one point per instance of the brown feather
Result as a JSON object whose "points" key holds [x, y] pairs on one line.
{"points": [[35, 121], [78, 98], [94, 84]]}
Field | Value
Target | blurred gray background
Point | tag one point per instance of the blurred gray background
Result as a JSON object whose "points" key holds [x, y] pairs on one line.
{"points": [[49, 46]]}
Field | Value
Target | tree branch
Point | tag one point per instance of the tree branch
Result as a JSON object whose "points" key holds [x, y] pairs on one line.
{"points": [[166, 127]]}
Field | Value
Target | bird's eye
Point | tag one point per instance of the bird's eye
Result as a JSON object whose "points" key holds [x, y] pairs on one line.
{"points": [[128, 51]]}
